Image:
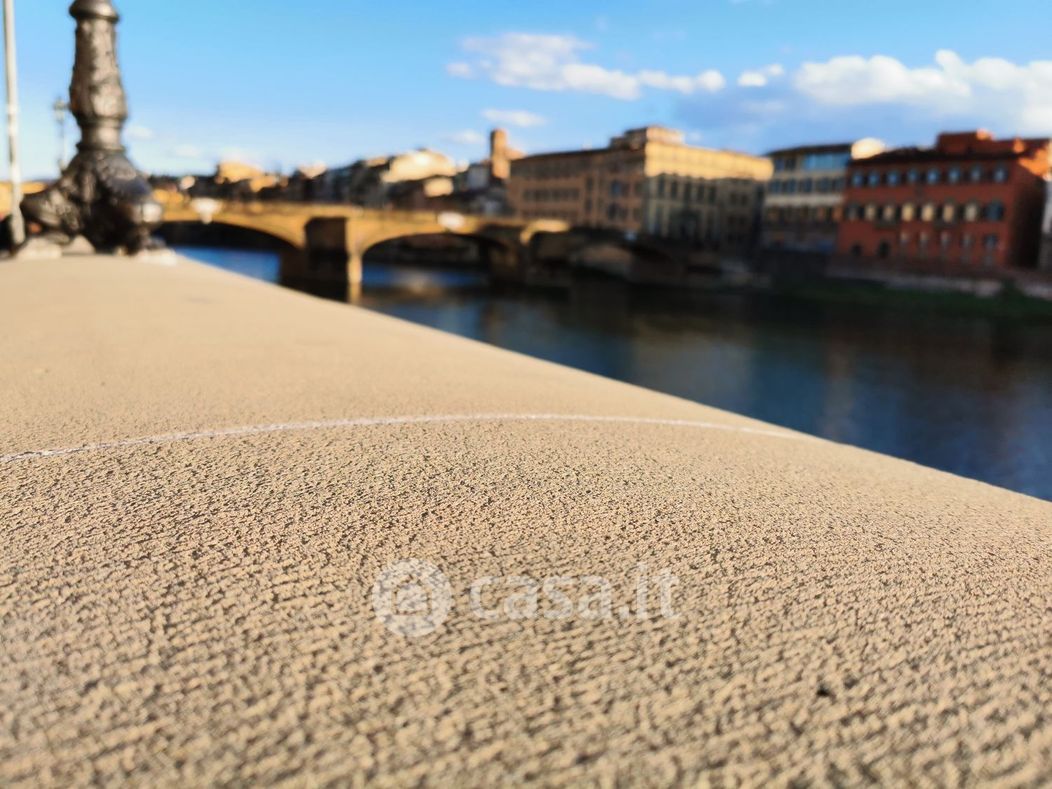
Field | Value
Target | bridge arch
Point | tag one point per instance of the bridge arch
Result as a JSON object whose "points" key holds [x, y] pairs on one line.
{"points": [[481, 240], [281, 239]]}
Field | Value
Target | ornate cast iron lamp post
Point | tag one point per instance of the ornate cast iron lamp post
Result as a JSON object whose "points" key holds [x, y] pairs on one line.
{"points": [[100, 195]]}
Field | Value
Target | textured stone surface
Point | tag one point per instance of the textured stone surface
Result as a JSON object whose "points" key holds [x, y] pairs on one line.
{"points": [[197, 608]]}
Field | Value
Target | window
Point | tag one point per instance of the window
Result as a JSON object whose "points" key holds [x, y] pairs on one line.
{"points": [[954, 175], [972, 212], [884, 249], [775, 187], [851, 213], [975, 175], [1001, 174], [858, 179], [806, 186], [873, 179], [991, 242], [870, 212], [822, 185], [945, 240], [995, 212], [889, 213], [894, 178], [909, 212], [967, 241], [948, 213], [913, 176], [789, 187], [927, 213], [674, 190], [904, 239], [933, 176]]}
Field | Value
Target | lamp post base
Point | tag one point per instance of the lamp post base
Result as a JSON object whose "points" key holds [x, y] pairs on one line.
{"points": [[100, 195]]}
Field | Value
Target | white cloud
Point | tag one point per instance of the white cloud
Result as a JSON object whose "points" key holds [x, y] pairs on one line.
{"points": [[758, 78], [995, 88], [554, 63], [708, 81], [459, 69], [135, 132], [186, 151], [523, 118], [466, 137]]}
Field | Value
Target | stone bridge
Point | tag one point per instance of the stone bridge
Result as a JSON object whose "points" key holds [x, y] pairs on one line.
{"points": [[328, 242]]}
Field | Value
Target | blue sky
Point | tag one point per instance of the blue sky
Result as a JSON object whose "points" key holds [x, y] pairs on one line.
{"points": [[289, 82]]}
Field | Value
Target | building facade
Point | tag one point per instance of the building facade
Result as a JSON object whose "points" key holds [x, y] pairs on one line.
{"points": [[1045, 257], [969, 201], [647, 181], [804, 201]]}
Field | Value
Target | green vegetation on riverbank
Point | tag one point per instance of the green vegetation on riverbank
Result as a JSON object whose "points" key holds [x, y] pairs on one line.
{"points": [[1010, 303]]}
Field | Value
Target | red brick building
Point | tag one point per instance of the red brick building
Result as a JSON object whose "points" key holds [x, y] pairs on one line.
{"points": [[969, 201]]}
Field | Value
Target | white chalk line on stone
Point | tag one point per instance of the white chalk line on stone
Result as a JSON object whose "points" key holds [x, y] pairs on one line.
{"points": [[377, 421]]}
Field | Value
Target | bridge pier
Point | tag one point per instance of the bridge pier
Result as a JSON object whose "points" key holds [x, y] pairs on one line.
{"points": [[355, 274]]}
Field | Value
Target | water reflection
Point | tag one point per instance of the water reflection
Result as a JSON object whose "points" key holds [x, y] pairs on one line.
{"points": [[964, 394]]}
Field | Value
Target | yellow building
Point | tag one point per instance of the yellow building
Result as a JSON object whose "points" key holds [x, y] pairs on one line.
{"points": [[231, 173], [647, 181]]}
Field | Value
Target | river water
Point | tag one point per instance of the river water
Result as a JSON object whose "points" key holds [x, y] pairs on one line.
{"points": [[969, 395]]}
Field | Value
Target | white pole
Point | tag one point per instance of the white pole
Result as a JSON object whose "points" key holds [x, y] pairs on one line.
{"points": [[18, 227]]}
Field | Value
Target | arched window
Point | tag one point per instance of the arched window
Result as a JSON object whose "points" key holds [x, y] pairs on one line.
{"points": [[928, 211], [909, 212], [948, 212], [874, 178], [975, 175], [913, 176], [954, 175], [870, 214], [889, 213], [1001, 174], [972, 211], [933, 176], [894, 178], [995, 212]]}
